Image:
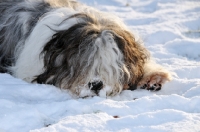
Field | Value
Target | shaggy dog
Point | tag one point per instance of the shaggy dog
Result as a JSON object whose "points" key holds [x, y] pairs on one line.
{"points": [[75, 47]]}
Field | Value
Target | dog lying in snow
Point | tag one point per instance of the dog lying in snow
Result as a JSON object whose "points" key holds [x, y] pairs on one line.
{"points": [[74, 47]]}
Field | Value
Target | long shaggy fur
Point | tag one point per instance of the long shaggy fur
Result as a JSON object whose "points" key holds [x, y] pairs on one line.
{"points": [[74, 47]]}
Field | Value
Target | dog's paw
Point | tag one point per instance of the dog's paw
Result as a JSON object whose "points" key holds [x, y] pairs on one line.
{"points": [[154, 87], [154, 81]]}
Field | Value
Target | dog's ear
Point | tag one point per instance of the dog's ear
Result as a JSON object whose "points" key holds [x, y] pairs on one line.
{"points": [[53, 57], [135, 55]]}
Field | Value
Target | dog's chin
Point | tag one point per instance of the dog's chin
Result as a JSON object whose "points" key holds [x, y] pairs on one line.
{"points": [[85, 91]]}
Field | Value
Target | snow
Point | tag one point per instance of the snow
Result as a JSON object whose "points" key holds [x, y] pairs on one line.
{"points": [[171, 31]]}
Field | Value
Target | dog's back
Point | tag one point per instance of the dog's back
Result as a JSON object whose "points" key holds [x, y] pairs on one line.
{"points": [[16, 25]]}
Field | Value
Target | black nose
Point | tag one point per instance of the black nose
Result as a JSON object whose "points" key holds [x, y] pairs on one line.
{"points": [[95, 86]]}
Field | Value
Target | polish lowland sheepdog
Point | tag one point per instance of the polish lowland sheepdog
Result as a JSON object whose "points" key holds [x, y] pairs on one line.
{"points": [[74, 47]]}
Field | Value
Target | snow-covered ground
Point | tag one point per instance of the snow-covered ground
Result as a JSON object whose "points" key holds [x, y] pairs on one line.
{"points": [[171, 31]]}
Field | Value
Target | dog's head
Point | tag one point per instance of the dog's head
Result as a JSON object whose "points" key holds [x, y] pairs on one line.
{"points": [[92, 57]]}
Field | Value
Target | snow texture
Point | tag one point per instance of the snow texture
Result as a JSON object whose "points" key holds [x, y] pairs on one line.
{"points": [[171, 31]]}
